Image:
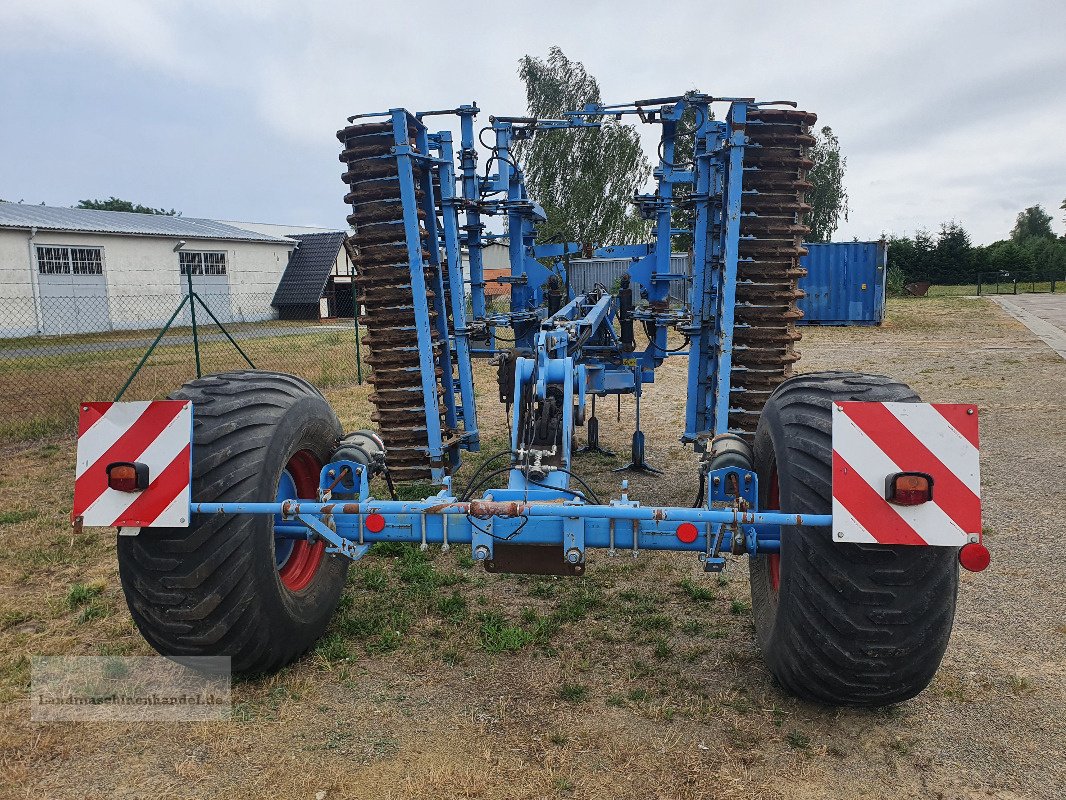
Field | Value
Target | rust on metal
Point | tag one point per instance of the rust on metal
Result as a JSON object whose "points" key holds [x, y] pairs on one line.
{"points": [[774, 207], [497, 508], [531, 559], [383, 283], [344, 471]]}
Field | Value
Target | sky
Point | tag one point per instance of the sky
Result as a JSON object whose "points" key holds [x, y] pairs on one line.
{"points": [[227, 109]]}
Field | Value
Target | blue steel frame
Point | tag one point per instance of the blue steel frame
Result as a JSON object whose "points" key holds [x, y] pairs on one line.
{"points": [[571, 352]]}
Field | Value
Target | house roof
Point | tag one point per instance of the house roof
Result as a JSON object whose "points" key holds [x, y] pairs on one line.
{"points": [[310, 265], [51, 218]]}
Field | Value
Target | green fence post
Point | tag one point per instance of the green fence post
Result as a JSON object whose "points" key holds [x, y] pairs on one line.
{"points": [[152, 347], [222, 328], [192, 310]]}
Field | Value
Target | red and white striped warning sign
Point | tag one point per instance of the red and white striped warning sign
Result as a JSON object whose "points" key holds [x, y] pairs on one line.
{"points": [[872, 441], [158, 434]]}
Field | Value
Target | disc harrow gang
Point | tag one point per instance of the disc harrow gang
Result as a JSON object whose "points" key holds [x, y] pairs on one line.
{"points": [[378, 250], [772, 229]]}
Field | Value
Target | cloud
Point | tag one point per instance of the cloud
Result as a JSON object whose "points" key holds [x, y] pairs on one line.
{"points": [[945, 110]]}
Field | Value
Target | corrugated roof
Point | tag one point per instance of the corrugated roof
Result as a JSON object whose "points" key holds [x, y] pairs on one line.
{"points": [[51, 218], [308, 270]]}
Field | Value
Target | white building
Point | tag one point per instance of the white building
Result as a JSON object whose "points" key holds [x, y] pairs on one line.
{"points": [[65, 270]]}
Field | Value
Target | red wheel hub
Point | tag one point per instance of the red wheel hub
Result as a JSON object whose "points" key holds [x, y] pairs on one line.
{"points": [[773, 560], [305, 558]]}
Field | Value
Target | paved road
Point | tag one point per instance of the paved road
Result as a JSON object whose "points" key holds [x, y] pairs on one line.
{"points": [[1043, 314], [176, 339]]}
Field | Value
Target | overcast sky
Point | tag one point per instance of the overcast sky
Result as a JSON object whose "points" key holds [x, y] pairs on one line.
{"points": [[227, 108]]}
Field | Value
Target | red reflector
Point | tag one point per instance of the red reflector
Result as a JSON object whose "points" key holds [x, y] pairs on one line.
{"points": [[125, 476], [687, 532], [974, 557], [909, 488], [375, 523]]}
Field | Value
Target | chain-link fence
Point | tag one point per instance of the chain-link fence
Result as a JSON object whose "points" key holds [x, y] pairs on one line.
{"points": [[58, 351]]}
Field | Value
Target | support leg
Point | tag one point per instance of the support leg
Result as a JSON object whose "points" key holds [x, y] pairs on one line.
{"points": [[636, 459], [593, 427]]}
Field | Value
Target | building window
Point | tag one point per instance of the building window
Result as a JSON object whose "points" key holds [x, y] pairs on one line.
{"points": [[202, 262], [70, 260]]}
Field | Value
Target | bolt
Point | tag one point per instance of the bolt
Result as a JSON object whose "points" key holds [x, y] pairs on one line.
{"points": [[974, 538], [573, 555], [481, 552], [969, 411], [840, 534]]}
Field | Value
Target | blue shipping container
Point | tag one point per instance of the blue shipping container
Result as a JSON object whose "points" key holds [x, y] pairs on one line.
{"points": [[845, 283]]}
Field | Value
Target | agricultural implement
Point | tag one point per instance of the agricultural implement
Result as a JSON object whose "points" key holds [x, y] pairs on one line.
{"points": [[854, 502]]}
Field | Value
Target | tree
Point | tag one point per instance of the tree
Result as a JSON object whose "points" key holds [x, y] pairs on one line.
{"points": [[828, 197], [954, 255], [1033, 222], [584, 178], [114, 204], [1063, 207]]}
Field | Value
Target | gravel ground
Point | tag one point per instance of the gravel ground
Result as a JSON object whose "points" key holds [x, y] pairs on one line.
{"points": [[673, 713]]}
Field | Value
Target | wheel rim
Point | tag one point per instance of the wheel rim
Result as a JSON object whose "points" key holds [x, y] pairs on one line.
{"points": [[298, 560], [773, 503]]}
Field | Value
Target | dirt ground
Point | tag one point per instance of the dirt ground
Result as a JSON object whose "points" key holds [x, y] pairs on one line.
{"points": [[641, 680]]}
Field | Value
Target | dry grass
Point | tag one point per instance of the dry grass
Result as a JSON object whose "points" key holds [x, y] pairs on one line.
{"points": [[40, 395], [640, 680]]}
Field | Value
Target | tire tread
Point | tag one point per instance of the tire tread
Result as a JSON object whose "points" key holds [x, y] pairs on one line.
{"points": [[856, 624]]}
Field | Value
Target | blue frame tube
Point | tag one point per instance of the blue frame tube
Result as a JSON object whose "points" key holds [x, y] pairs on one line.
{"points": [[457, 296], [446, 506], [704, 291], [433, 234], [474, 226], [570, 526], [413, 235], [738, 115]]}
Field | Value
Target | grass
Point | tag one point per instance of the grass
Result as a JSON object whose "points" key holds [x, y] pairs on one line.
{"points": [[452, 607], [655, 622], [499, 636], [15, 517], [1003, 287], [663, 651], [573, 692], [81, 594], [696, 591], [437, 678], [1019, 684], [42, 393]]}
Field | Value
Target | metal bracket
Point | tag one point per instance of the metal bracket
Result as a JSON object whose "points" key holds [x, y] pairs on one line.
{"points": [[712, 560], [727, 484], [336, 543], [574, 540], [481, 540]]}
